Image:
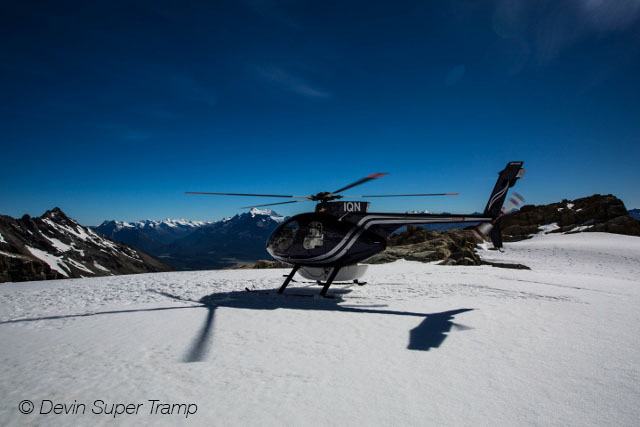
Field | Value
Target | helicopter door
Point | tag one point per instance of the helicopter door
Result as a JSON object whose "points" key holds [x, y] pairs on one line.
{"points": [[314, 237]]}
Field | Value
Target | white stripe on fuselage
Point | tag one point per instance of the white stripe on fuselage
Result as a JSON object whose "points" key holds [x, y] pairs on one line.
{"points": [[350, 238]]}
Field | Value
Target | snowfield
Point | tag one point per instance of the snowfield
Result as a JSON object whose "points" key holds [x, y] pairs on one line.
{"points": [[421, 344]]}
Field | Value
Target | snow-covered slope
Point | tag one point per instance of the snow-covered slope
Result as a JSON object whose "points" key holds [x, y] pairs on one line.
{"points": [[421, 344]]}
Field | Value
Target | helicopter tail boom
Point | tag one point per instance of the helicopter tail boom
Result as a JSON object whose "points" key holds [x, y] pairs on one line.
{"points": [[506, 179]]}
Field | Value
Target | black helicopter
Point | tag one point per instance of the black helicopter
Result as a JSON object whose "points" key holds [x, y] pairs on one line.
{"points": [[327, 244]]}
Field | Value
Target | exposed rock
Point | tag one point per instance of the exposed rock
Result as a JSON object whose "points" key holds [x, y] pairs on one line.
{"points": [[595, 213], [620, 225], [262, 263], [452, 247], [17, 268], [506, 265]]}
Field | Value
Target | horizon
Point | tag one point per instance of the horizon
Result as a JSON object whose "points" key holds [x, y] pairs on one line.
{"points": [[248, 210], [113, 111]]}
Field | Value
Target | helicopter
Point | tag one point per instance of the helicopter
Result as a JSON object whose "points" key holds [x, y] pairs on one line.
{"points": [[326, 245]]}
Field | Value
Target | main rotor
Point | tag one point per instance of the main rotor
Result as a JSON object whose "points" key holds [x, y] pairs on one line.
{"points": [[323, 196]]}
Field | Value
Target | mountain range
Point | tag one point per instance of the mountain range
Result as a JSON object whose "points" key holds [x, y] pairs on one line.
{"points": [[54, 246], [199, 245]]}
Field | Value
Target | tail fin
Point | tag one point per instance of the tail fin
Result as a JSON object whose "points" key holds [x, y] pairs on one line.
{"points": [[506, 179]]}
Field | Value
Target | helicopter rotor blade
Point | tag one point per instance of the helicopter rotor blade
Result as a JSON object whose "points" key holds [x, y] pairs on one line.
{"points": [[408, 195], [243, 194], [361, 181], [273, 204]]}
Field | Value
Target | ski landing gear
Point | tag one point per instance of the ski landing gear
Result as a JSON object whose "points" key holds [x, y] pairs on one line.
{"points": [[325, 288]]}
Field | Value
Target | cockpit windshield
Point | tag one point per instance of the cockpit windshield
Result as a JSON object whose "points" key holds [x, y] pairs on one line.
{"points": [[283, 238]]}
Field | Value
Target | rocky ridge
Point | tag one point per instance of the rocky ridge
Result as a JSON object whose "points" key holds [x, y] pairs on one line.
{"points": [[603, 213], [54, 246]]}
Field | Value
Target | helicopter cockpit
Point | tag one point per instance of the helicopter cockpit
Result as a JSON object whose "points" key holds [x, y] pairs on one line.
{"points": [[314, 237], [310, 234], [283, 238]]}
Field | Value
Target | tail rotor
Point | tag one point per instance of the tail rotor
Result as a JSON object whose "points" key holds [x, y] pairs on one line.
{"points": [[484, 231]]}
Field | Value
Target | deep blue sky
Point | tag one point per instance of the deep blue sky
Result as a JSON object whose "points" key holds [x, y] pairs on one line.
{"points": [[111, 110]]}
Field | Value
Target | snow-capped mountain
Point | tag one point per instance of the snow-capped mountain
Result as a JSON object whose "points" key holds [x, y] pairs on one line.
{"points": [[266, 212], [149, 235], [238, 239], [55, 246], [199, 244]]}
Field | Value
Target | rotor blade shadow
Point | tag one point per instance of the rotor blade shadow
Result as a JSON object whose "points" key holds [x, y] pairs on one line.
{"points": [[97, 313], [201, 345], [432, 331]]}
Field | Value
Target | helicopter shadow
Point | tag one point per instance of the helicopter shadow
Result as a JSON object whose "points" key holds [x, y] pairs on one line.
{"points": [[429, 334]]}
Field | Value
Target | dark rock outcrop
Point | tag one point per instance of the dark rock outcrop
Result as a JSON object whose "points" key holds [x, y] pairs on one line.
{"points": [[457, 247], [595, 213], [55, 246], [451, 247], [260, 264]]}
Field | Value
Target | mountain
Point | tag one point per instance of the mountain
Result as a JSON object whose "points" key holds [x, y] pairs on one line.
{"points": [[54, 246], [634, 213], [149, 235], [231, 241], [199, 245]]}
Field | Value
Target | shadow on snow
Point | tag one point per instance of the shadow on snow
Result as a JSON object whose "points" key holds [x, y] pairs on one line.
{"points": [[430, 333]]}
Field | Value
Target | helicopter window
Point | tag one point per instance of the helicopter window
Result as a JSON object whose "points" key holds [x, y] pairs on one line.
{"points": [[314, 237], [285, 238]]}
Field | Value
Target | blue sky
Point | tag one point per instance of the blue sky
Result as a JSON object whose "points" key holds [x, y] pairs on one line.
{"points": [[111, 110]]}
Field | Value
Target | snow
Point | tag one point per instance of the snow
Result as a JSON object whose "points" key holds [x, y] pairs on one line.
{"points": [[171, 223], [570, 205], [421, 344], [9, 254], [80, 251], [56, 263], [579, 228], [100, 267], [2, 239], [548, 228], [267, 212], [79, 265], [60, 247], [78, 231]]}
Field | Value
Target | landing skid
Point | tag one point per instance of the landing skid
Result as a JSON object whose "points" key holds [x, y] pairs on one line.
{"points": [[319, 283], [325, 286], [313, 296]]}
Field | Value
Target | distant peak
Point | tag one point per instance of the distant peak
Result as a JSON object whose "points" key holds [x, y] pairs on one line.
{"points": [[55, 212], [266, 211]]}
